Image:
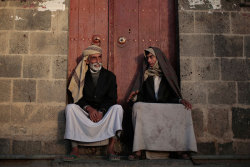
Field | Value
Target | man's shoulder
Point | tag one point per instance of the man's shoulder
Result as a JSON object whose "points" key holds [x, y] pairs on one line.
{"points": [[107, 72]]}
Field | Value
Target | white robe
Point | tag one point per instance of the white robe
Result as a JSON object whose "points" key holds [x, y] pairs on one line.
{"points": [[80, 128], [162, 127]]}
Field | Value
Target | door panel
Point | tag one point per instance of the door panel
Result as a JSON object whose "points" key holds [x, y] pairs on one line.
{"points": [[87, 18], [125, 55], [143, 23]]}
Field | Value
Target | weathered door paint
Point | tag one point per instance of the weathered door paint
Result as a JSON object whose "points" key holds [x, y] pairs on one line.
{"points": [[126, 28], [87, 18]]}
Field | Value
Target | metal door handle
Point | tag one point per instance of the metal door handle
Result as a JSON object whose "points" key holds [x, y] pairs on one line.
{"points": [[122, 40], [96, 40]]}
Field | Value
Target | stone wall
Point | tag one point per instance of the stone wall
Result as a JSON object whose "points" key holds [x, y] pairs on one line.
{"points": [[33, 72], [215, 72], [214, 62]]}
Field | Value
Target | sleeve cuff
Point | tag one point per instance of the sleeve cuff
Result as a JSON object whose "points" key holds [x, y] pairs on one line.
{"points": [[103, 110], [85, 107]]}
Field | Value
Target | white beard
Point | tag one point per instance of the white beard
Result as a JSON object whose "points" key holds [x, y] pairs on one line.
{"points": [[94, 67]]}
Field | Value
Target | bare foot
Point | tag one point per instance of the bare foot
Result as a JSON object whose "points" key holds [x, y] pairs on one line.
{"points": [[135, 156]]}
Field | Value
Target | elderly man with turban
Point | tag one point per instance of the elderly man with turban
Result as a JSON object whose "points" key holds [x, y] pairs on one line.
{"points": [[161, 125], [94, 116]]}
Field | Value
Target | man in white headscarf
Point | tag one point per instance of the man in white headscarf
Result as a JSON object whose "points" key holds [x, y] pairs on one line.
{"points": [[94, 116]]}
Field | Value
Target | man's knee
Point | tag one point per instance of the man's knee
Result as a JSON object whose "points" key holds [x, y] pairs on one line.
{"points": [[137, 107], [118, 108], [69, 108]]}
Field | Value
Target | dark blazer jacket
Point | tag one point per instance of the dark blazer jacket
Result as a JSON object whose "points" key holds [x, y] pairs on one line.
{"points": [[165, 93], [104, 95]]}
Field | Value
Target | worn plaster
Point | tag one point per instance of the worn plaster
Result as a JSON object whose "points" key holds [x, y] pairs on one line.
{"points": [[18, 18], [216, 4], [52, 5]]}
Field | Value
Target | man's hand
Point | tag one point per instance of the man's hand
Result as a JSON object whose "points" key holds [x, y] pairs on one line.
{"points": [[132, 95], [92, 113], [99, 116], [186, 104]]}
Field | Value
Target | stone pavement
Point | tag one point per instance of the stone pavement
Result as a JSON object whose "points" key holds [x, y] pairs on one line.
{"points": [[101, 162]]}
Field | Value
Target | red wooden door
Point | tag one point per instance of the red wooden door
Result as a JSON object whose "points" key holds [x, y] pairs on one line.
{"points": [[142, 23]]}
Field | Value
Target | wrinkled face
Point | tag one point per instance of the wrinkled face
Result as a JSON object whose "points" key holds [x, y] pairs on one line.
{"points": [[95, 61], [151, 59]]}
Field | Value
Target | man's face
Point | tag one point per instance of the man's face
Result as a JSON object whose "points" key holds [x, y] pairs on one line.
{"points": [[95, 61], [151, 59]]}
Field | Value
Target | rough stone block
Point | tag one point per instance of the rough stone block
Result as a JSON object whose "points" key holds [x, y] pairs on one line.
{"points": [[55, 91], [59, 67], [228, 46], [33, 147], [3, 42], [10, 66], [19, 43], [46, 130], [243, 148], [32, 20], [5, 130], [6, 19], [248, 68], [4, 113], [60, 20], [21, 131], [232, 5], [186, 69], [244, 8], [197, 116], [222, 93], [5, 90], [26, 147], [36, 67], [215, 22], [63, 43], [54, 147], [26, 114], [244, 93], [19, 147], [3, 4], [67, 2], [206, 148], [53, 113], [196, 45], [23, 3], [231, 68], [49, 43], [24, 91], [195, 92], [218, 121], [241, 123], [4, 146], [247, 46], [206, 69], [240, 23], [226, 149], [186, 22]]}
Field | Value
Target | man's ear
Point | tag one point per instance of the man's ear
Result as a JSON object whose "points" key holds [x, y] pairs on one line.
{"points": [[87, 61]]}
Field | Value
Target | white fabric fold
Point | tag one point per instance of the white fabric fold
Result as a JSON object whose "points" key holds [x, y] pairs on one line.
{"points": [[80, 128], [162, 127]]}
